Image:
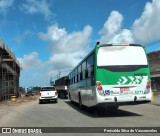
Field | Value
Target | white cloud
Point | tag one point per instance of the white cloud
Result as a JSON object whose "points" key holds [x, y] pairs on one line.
{"points": [[37, 6], [30, 62], [67, 48], [112, 31], [34, 71], [19, 38], [66, 51], [53, 33], [5, 5], [113, 24], [124, 36], [146, 28]]}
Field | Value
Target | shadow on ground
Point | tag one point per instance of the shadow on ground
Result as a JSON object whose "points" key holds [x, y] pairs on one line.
{"points": [[100, 112], [48, 102]]}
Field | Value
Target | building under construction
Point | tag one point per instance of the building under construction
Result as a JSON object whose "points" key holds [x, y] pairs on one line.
{"points": [[9, 73]]}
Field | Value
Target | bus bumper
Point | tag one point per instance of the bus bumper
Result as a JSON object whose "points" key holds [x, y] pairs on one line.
{"points": [[125, 100]]}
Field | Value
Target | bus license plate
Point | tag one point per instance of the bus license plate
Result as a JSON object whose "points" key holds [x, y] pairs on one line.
{"points": [[124, 89]]}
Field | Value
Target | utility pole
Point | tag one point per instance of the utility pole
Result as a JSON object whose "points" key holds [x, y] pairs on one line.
{"points": [[59, 73], [55, 77], [59, 77]]}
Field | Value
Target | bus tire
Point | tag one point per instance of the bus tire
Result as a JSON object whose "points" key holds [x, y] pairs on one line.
{"points": [[56, 100], [40, 101], [80, 102], [63, 95], [70, 98]]}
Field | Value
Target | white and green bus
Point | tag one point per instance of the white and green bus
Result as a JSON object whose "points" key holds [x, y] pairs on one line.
{"points": [[111, 75]]}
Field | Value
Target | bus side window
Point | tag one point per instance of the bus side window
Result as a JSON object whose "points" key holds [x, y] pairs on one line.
{"points": [[92, 71], [77, 78], [86, 73], [81, 76], [70, 81]]}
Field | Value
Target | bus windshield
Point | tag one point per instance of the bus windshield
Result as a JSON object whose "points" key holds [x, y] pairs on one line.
{"points": [[121, 55]]}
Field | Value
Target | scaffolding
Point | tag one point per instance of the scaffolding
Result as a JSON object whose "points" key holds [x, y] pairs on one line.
{"points": [[9, 73]]}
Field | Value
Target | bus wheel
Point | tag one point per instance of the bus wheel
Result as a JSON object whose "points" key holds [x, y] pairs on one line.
{"points": [[116, 107], [80, 103], [63, 95], [70, 98]]}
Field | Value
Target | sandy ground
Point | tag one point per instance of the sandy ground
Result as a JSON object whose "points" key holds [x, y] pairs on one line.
{"points": [[21, 100]]}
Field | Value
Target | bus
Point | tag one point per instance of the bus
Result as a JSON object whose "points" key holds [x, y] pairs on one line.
{"points": [[111, 75]]}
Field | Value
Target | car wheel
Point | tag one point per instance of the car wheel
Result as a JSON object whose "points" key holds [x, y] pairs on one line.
{"points": [[40, 102], [56, 101]]}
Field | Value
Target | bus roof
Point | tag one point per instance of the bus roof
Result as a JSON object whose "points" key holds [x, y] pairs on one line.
{"points": [[123, 44]]}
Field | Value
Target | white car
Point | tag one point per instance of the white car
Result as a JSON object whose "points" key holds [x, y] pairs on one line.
{"points": [[48, 93]]}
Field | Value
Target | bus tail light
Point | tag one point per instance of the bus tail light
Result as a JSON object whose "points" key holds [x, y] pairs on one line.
{"points": [[125, 44], [100, 88], [98, 83], [148, 86]]}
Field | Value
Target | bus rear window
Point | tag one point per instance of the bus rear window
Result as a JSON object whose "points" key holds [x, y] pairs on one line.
{"points": [[121, 56]]}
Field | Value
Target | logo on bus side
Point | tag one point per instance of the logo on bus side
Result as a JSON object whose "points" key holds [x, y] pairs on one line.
{"points": [[130, 80]]}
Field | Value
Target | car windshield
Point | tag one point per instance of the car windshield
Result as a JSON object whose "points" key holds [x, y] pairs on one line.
{"points": [[47, 89]]}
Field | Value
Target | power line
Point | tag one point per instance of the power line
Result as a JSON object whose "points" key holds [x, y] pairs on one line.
{"points": [[59, 74], [62, 71]]}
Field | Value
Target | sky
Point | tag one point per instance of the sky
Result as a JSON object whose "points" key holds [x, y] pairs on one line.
{"points": [[52, 36]]}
